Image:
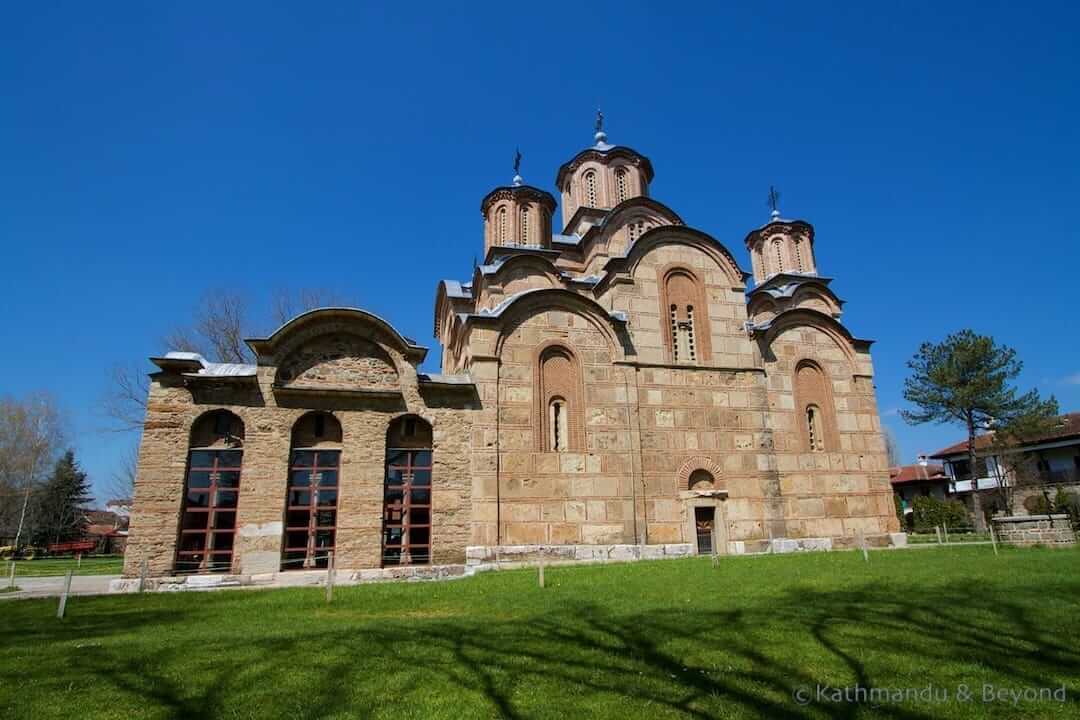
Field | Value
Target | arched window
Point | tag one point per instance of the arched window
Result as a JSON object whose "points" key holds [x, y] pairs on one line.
{"points": [[523, 225], [559, 394], [211, 494], [312, 492], [799, 255], [813, 401], [590, 188], [501, 234], [622, 184], [687, 327], [406, 524], [778, 254]]}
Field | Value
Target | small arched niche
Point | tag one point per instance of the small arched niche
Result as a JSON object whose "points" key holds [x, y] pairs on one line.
{"points": [[701, 479]]}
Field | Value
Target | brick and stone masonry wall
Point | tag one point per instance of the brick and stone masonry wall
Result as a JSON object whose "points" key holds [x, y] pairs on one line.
{"points": [[1051, 530], [268, 419]]}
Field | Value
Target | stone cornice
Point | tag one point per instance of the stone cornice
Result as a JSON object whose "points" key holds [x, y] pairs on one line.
{"points": [[518, 192], [776, 227], [593, 153]]}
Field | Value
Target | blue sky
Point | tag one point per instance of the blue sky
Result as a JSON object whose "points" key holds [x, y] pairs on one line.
{"points": [[149, 152]]}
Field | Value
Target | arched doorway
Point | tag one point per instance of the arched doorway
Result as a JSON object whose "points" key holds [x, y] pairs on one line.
{"points": [[406, 524]]}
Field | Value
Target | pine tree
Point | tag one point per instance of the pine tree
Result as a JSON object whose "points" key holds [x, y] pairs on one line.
{"points": [[62, 502], [966, 379]]}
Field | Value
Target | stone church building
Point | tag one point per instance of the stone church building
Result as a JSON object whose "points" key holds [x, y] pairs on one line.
{"points": [[611, 390]]}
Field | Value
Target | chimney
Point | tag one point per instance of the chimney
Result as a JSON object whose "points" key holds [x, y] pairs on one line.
{"points": [[923, 460]]}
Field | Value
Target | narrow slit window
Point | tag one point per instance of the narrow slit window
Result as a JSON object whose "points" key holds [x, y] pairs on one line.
{"points": [[523, 224], [590, 189], [500, 226], [813, 428], [689, 330], [621, 184], [557, 422], [675, 332], [799, 256], [779, 253]]}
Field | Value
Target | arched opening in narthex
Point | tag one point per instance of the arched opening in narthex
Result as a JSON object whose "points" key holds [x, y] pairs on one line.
{"points": [[211, 494], [312, 492], [406, 524]]}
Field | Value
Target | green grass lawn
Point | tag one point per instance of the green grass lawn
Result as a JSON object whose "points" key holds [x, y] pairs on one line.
{"points": [[954, 537], [641, 640], [43, 567]]}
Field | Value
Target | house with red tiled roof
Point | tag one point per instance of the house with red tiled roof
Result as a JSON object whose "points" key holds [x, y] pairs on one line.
{"points": [[1055, 457], [922, 479]]}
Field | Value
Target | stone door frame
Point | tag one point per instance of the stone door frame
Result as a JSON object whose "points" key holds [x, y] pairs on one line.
{"points": [[693, 499]]}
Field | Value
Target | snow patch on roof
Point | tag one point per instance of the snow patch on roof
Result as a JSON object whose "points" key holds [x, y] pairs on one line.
{"points": [[440, 379]]}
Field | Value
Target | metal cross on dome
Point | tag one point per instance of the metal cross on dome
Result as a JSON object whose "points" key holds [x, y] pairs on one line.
{"points": [[599, 120], [774, 199], [517, 161]]}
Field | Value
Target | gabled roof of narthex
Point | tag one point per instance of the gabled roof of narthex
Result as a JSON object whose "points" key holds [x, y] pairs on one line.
{"points": [[407, 346]]}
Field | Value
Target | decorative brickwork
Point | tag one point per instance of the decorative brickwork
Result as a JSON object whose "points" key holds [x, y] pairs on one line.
{"points": [[339, 360]]}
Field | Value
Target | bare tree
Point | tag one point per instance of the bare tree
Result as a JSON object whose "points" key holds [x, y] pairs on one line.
{"points": [[288, 304], [1015, 467], [31, 435], [121, 485], [892, 449], [218, 329], [125, 397]]}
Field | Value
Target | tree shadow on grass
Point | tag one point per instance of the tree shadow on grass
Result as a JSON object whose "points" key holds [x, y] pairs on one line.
{"points": [[697, 663]]}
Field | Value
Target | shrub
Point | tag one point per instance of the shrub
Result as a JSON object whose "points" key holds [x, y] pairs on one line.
{"points": [[930, 512], [1036, 504], [1069, 503]]}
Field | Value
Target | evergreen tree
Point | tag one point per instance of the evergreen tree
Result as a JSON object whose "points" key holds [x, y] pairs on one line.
{"points": [[966, 379], [61, 511]]}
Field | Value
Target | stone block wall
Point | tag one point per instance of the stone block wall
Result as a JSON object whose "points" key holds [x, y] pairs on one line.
{"points": [[1026, 530], [844, 487]]}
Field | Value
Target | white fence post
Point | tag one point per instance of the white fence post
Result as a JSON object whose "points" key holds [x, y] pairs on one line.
{"points": [[63, 598], [861, 540], [11, 576], [993, 537], [540, 573], [330, 576]]}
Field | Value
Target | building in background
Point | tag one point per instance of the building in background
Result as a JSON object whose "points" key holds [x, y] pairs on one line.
{"points": [[923, 479], [1052, 461]]}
